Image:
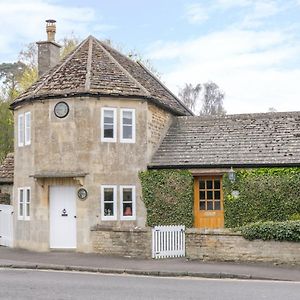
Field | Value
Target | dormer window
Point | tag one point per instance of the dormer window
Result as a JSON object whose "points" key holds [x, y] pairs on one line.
{"points": [[108, 125]]}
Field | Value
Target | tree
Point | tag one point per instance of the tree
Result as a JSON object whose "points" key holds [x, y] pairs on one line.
{"points": [[212, 100], [10, 74], [29, 57], [68, 44], [190, 95], [6, 130], [15, 78], [207, 96]]}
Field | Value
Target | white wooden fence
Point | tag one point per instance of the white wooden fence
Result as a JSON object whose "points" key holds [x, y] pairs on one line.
{"points": [[168, 241], [6, 225]]}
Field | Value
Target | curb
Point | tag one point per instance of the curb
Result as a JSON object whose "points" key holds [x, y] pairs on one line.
{"points": [[136, 272]]}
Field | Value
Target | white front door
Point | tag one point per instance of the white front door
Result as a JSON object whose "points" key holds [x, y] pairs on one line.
{"points": [[62, 217]]}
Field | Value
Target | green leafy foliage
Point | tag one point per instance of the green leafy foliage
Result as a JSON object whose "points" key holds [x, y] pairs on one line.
{"points": [[168, 197], [6, 130], [265, 194], [278, 231], [295, 217]]}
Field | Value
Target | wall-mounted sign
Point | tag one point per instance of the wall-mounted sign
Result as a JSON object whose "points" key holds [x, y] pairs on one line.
{"points": [[82, 194], [61, 109], [235, 194]]}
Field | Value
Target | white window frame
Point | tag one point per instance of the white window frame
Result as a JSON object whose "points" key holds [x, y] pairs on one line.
{"points": [[27, 128], [24, 203], [20, 217], [114, 138], [122, 139], [114, 217], [133, 217], [21, 130]]}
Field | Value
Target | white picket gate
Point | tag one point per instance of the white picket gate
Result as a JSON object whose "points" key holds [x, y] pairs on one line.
{"points": [[6, 225], [168, 241]]}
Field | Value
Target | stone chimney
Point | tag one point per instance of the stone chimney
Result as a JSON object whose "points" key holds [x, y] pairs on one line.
{"points": [[48, 51]]}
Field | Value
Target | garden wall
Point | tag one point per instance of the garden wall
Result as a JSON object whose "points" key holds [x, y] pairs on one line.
{"points": [[223, 245], [122, 242], [217, 245]]}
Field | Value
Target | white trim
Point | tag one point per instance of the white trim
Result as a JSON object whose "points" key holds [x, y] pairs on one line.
{"points": [[122, 139], [27, 128], [20, 217], [114, 216], [21, 130], [27, 201], [133, 217], [114, 138], [24, 203]]}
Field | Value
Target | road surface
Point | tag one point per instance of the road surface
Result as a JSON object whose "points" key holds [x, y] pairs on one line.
{"points": [[31, 284]]}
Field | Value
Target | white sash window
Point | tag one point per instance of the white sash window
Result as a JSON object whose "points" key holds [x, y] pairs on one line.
{"points": [[24, 129], [127, 125]]}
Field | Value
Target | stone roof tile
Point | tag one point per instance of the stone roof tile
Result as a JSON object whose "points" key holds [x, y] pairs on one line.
{"points": [[232, 140], [94, 68], [7, 169]]}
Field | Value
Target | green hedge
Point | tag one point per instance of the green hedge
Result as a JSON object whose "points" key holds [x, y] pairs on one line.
{"points": [[265, 194], [279, 231], [168, 197]]}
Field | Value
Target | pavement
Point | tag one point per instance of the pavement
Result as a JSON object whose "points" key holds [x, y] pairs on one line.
{"points": [[92, 262]]}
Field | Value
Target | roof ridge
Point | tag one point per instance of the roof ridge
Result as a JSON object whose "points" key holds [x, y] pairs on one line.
{"points": [[122, 68], [159, 82], [89, 64], [61, 65], [244, 115]]}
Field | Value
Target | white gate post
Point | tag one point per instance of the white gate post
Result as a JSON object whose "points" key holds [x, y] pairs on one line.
{"points": [[6, 225]]}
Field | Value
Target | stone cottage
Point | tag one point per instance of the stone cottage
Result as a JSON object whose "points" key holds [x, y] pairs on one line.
{"points": [[83, 131], [211, 146], [95, 119]]}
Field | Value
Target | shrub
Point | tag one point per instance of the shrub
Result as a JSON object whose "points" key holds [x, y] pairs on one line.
{"points": [[168, 197], [278, 231]]}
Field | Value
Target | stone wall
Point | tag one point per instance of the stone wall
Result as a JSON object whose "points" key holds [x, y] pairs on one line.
{"points": [[72, 145], [213, 245], [122, 242], [223, 245], [159, 122]]}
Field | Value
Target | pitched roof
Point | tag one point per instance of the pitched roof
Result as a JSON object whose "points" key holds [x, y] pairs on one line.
{"points": [[7, 169], [94, 68], [268, 139]]}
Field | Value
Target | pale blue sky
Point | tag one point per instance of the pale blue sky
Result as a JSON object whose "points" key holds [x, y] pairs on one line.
{"points": [[250, 48]]}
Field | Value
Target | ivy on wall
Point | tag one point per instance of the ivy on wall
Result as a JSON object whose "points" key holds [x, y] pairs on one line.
{"points": [[264, 194], [168, 197]]}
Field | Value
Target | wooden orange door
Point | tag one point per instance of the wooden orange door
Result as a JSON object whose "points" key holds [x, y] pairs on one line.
{"points": [[208, 202]]}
